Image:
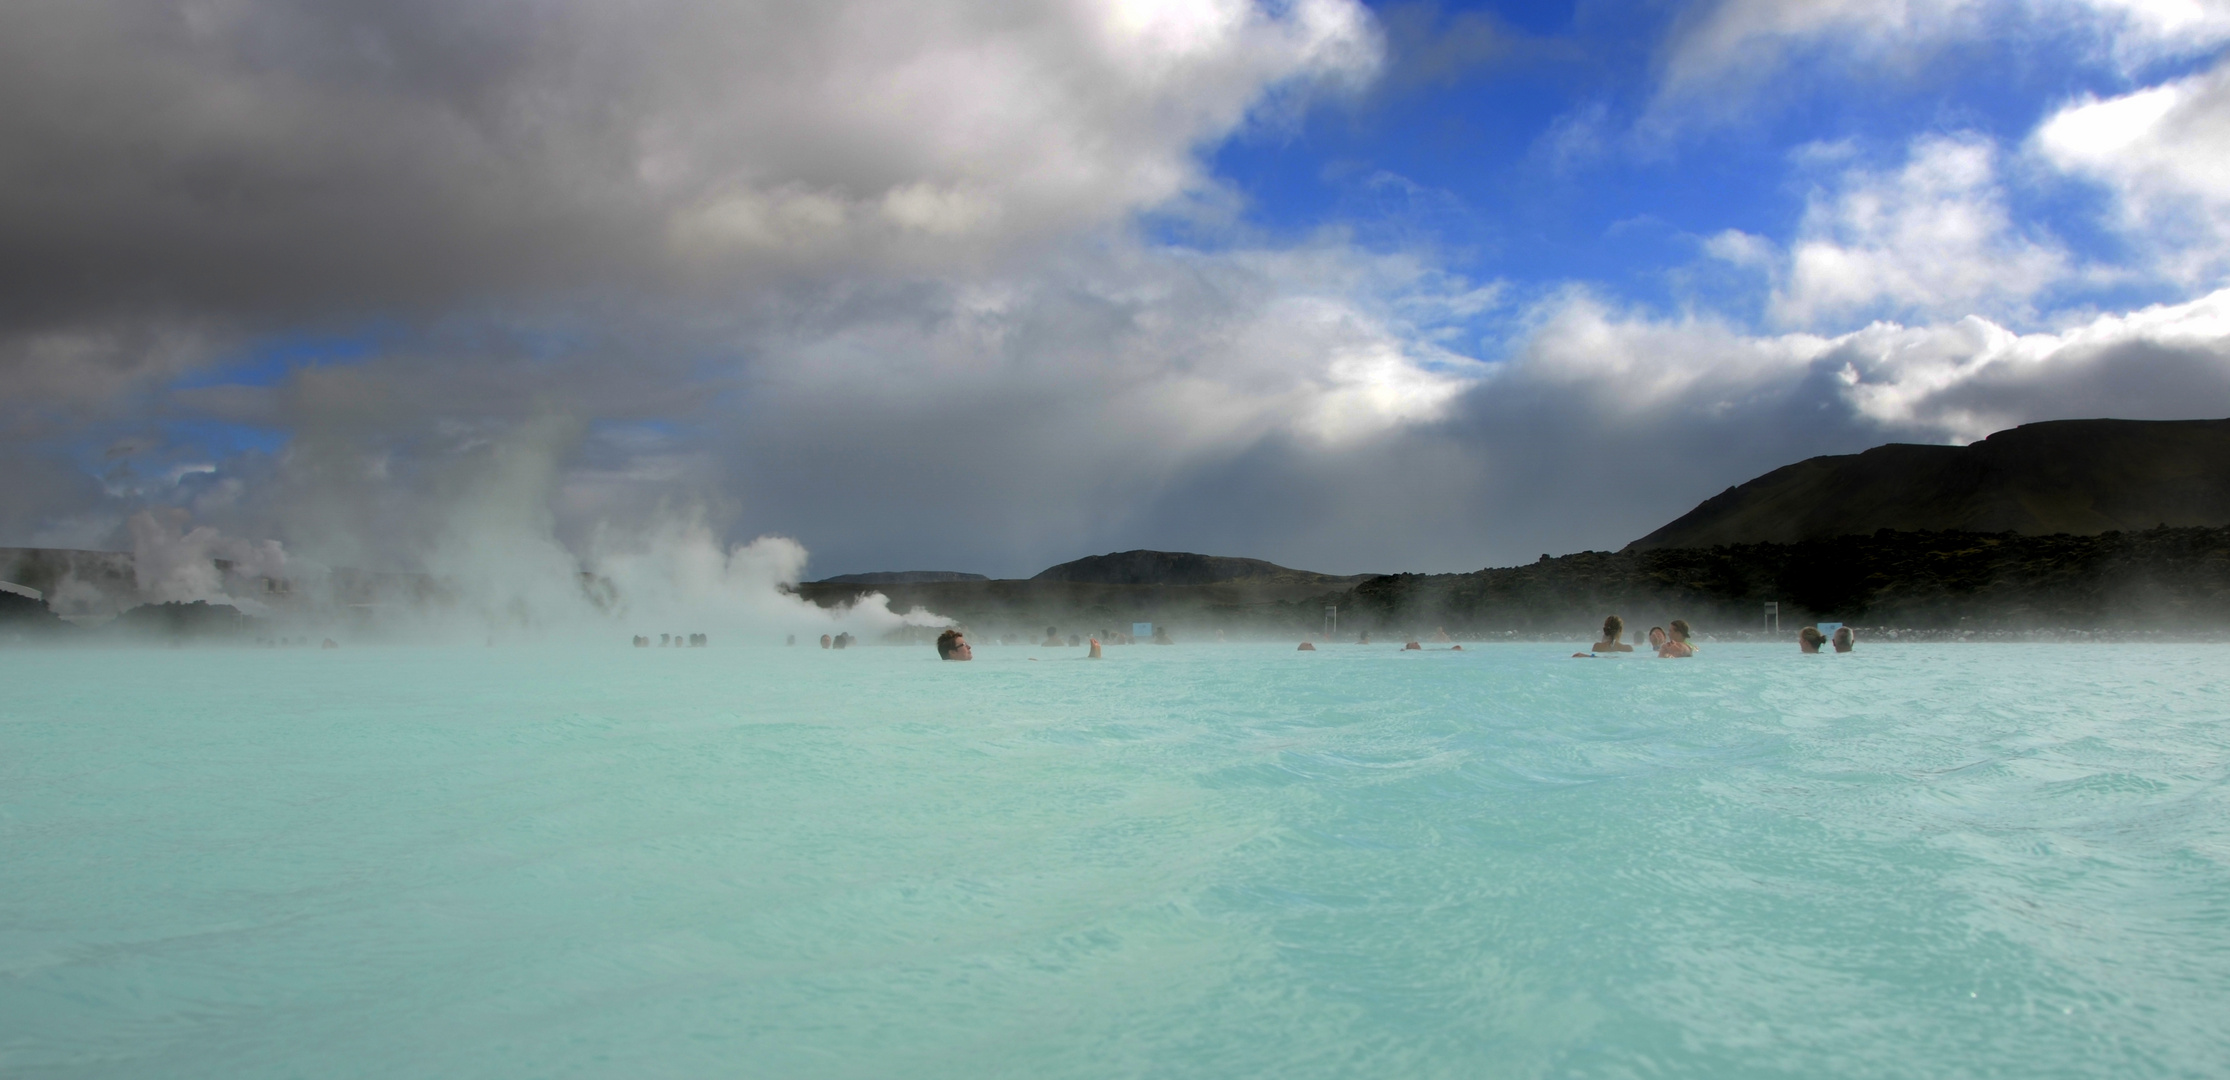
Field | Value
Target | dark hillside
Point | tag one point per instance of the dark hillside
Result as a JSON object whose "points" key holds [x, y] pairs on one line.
{"points": [[2081, 477], [1179, 568], [22, 617], [2166, 578], [177, 621]]}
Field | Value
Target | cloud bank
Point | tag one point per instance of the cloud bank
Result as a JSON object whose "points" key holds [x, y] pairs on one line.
{"points": [[503, 293]]}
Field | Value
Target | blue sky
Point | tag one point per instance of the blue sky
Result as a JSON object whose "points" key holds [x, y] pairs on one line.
{"points": [[1538, 166], [977, 286]]}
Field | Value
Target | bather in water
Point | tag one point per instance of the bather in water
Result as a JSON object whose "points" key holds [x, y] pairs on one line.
{"points": [[1614, 628]]}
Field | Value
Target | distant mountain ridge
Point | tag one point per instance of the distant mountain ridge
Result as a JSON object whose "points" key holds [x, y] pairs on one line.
{"points": [[2082, 477], [1143, 567], [900, 577]]}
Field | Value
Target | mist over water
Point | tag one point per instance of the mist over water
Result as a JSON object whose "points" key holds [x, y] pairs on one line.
{"points": [[474, 554], [1195, 861]]}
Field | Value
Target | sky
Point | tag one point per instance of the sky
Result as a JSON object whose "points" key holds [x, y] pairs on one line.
{"points": [[987, 286]]}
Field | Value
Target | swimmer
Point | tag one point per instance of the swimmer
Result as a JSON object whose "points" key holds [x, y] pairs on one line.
{"points": [[1095, 650], [1845, 640], [826, 641], [1306, 647], [1809, 640], [1657, 639], [1679, 645], [952, 645], [1613, 629], [1407, 646]]}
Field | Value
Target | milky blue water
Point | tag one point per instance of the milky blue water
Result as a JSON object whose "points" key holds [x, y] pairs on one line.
{"points": [[1200, 861]]}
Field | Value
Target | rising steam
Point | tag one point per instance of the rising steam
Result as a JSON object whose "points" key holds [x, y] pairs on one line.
{"points": [[485, 562]]}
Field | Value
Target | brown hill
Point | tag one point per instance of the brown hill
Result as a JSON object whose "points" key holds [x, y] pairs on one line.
{"points": [[2082, 477]]}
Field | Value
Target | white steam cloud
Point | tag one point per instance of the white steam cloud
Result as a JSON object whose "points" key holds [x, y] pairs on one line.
{"points": [[495, 568]]}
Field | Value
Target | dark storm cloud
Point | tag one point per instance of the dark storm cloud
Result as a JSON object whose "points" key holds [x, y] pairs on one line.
{"points": [[862, 274], [245, 164]]}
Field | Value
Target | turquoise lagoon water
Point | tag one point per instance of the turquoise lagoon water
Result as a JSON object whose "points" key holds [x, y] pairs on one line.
{"points": [[1201, 861]]}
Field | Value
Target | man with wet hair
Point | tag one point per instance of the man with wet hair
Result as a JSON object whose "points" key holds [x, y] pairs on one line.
{"points": [[1845, 640], [953, 645]]}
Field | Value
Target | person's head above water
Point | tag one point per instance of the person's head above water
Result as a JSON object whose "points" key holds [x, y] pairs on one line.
{"points": [[1680, 629], [953, 645], [1844, 639], [1657, 636], [1810, 639], [1613, 629]]}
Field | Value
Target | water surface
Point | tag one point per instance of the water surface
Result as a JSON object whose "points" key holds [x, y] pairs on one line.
{"points": [[1200, 861]]}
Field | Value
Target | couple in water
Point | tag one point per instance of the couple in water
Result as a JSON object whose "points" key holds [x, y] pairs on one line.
{"points": [[1810, 639], [1673, 643]]}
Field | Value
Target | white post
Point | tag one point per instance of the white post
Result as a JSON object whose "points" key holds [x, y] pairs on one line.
{"points": [[1773, 617]]}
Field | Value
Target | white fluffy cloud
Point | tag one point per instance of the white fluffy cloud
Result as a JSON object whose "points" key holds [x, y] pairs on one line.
{"points": [[2164, 153], [1934, 238], [1730, 49], [1949, 381]]}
